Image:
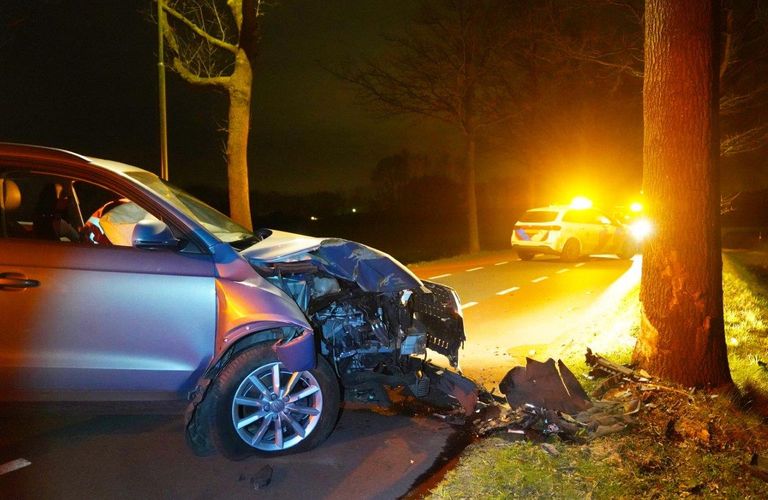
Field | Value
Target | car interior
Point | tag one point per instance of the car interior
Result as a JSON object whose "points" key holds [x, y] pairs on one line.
{"points": [[46, 207]]}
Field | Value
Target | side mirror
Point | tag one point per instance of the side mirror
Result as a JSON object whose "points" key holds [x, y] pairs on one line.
{"points": [[153, 235]]}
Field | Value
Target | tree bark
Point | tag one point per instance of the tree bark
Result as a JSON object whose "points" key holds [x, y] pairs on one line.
{"points": [[473, 234], [237, 140], [682, 332]]}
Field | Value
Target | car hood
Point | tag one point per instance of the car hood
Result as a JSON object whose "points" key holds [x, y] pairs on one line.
{"points": [[371, 269]]}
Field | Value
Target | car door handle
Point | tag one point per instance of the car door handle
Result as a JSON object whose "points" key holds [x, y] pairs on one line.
{"points": [[16, 280]]}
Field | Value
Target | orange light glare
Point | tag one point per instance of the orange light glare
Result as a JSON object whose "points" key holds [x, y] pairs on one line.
{"points": [[641, 229], [636, 207], [581, 202]]}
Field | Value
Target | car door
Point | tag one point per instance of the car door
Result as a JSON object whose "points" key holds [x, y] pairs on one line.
{"points": [[96, 321], [577, 222], [605, 233]]}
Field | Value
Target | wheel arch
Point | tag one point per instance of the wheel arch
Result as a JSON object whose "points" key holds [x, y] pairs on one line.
{"points": [[201, 408], [243, 337]]}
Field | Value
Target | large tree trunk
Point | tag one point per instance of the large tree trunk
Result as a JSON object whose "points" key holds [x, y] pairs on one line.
{"points": [[682, 335], [471, 193], [237, 140]]}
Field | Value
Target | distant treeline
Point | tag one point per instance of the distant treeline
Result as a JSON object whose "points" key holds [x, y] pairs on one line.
{"points": [[424, 218]]}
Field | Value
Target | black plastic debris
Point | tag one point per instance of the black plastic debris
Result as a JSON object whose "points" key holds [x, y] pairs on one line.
{"points": [[465, 391], [262, 478], [546, 385]]}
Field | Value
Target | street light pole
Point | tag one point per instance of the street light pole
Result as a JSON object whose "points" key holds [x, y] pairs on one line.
{"points": [[161, 92]]}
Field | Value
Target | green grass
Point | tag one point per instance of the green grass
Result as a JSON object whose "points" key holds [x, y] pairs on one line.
{"points": [[642, 463], [745, 303]]}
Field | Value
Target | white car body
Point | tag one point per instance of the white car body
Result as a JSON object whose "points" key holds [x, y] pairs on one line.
{"points": [[570, 232]]}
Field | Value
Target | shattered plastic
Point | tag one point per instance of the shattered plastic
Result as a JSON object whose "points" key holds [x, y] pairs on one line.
{"points": [[545, 399], [545, 385]]}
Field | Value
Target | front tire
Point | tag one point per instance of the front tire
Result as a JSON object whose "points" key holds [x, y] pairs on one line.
{"points": [[260, 408], [627, 251]]}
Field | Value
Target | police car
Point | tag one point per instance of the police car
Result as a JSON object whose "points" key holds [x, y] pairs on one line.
{"points": [[571, 232]]}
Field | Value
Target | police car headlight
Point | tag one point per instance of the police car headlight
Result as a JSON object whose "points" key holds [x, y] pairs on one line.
{"points": [[641, 229]]}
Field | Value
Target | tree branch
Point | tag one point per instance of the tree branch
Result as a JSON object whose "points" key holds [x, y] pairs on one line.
{"points": [[196, 79], [199, 31], [742, 142]]}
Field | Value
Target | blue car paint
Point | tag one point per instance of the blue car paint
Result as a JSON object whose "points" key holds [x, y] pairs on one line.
{"points": [[297, 355], [268, 307], [371, 269], [168, 361]]}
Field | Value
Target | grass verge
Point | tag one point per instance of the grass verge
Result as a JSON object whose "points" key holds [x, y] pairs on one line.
{"points": [[682, 443]]}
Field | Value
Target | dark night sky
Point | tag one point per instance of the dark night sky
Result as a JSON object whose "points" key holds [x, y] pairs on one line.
{"points": [[81, 75]]}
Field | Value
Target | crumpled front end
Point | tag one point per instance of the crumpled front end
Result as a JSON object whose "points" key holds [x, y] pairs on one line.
{"points": [[373, 318]]}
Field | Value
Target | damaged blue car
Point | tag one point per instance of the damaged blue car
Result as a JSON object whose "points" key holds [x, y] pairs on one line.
{"points": [[117, 286]]}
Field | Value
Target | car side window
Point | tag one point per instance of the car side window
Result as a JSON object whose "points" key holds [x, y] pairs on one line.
{"points": [[39, 207], [109, 218], [576, 216], [596, 217], [586, 217], [55, 208], [602, 219]]}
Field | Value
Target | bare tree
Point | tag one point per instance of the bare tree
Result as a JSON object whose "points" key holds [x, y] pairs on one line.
{"points": [[454, 64], [390, 178], [682, 330], [609, 35], [215, 43], [743, 65]]}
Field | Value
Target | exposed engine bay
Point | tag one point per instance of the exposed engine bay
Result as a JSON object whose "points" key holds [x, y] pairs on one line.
{"points": [[375, 320]]}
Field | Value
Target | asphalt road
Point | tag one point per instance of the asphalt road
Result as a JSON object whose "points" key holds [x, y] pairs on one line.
{"points": [[514, 309], [511, 309], [369, 455]]}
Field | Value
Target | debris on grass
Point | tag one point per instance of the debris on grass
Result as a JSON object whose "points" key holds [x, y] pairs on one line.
{"points": [[682, 442], [545, 385], [546, 399]]}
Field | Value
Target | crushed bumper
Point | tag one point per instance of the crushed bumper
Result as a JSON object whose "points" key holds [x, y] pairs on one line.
{"points": [[438, 308]]}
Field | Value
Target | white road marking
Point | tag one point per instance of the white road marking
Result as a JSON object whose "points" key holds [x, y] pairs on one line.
{"points": [[501, 263], [508, 290], [439, 276], [468, 305], [564, 270], [474, 269], [580, 264], [539, 280], [13, 465]]}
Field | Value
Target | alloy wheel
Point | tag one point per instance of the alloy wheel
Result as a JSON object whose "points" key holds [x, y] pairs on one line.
{"points": [[274, 409]]}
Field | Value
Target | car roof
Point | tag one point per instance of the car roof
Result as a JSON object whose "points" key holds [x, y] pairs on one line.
{"points": [[551, 208], [41, 153]]}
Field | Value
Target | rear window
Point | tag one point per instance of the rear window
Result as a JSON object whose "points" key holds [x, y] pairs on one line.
{"points": [[586, 217], [538, 216], [578, 216]]}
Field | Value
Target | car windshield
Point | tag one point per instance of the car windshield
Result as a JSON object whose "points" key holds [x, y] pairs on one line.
{"points": [[538, 216], [214, 221]]}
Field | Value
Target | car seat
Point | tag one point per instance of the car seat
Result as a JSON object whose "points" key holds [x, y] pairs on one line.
{"points": [[10, 201], [49, 220]]}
